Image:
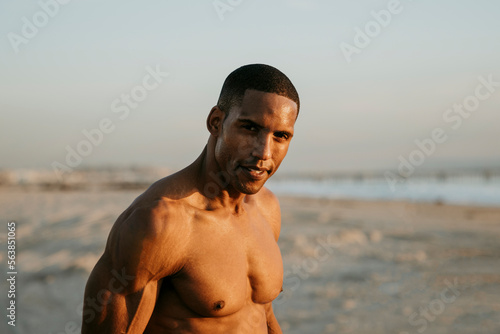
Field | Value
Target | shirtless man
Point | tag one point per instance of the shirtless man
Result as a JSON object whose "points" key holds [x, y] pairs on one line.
{"points": [[197, 252]]}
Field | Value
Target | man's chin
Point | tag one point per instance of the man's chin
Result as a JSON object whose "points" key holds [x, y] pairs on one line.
{"points": [[249, 188], [245, 185]]}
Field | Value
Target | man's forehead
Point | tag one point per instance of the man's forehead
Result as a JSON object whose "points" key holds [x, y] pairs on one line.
{"points": [[257, 103], [258, 95]]}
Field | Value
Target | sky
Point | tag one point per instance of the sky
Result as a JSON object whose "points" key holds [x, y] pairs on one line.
{"points": [[374, 77]]}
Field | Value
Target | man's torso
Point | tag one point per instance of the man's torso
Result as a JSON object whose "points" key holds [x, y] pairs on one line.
{"points": [[232, 267]]}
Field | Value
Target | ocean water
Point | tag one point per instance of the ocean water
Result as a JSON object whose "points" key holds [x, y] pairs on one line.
{"points": [[463, 191], [473, 189]]}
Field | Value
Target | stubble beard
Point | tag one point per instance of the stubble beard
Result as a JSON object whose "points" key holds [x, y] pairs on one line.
{"points": [[246, 187]]}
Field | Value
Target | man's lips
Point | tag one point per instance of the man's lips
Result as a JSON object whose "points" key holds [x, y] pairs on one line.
{"points": [[255, 172]]}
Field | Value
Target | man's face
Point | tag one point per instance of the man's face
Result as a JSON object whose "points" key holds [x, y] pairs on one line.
{"points": [[254, 139]]}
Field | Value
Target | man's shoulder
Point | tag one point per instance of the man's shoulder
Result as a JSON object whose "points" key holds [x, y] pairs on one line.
{"points": [[269, 207], [149, 238], [150, 215], [160, 205], [155, 217], [267, 198]]}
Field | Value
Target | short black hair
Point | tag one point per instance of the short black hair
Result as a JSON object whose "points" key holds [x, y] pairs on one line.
{"points": [[259, 77]]}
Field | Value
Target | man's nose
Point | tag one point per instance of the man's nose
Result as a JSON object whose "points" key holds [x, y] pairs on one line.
{"points": [[262, 149]]}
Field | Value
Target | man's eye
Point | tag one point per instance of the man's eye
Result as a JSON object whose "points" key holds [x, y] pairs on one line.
{"points": [[281, 135], [250, 127]]}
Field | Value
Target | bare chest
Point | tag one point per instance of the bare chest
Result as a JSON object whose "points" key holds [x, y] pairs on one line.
{"points": [[230, 264]]}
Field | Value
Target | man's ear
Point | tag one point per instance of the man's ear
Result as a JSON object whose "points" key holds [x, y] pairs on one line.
{"points": [[214, 121]]}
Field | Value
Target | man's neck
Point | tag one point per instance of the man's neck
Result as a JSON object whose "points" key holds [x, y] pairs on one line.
{"points": [[213, 184]]}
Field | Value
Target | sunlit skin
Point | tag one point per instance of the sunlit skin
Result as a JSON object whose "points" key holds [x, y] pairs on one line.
{"points": [[199, 248], [253, 144]]}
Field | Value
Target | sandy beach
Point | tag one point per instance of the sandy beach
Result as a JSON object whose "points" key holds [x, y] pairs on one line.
{"points": [[350, 266]]}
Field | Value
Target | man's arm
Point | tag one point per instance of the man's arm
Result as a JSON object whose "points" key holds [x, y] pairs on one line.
{"points": [[272, 324], [270, 208], [122, 289], [110, 306], [273, 215]]}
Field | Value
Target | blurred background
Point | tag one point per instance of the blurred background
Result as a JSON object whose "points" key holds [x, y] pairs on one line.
{"points": [[374, 77], [399, 102], [355, 116]]}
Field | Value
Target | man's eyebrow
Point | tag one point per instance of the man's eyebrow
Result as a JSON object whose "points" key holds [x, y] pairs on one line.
{"points": [[289, 134], [249, 121], [257, 125]]}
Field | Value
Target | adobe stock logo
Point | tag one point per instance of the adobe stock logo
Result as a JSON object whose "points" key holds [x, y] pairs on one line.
{"points": [[454, 117], [371, 30], [121, 106], [429, 312], [223, 6], [30, 28]]}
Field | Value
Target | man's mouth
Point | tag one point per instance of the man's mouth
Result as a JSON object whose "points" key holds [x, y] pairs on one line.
{"points": [[254, 172]]}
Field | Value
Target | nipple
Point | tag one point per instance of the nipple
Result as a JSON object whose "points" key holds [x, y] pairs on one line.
{"points": [[219, 305]]}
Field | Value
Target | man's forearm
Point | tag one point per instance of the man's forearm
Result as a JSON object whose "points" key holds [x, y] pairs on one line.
{"points": [[122, 314], [274, 328], [109, 308], [272, 323]]}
